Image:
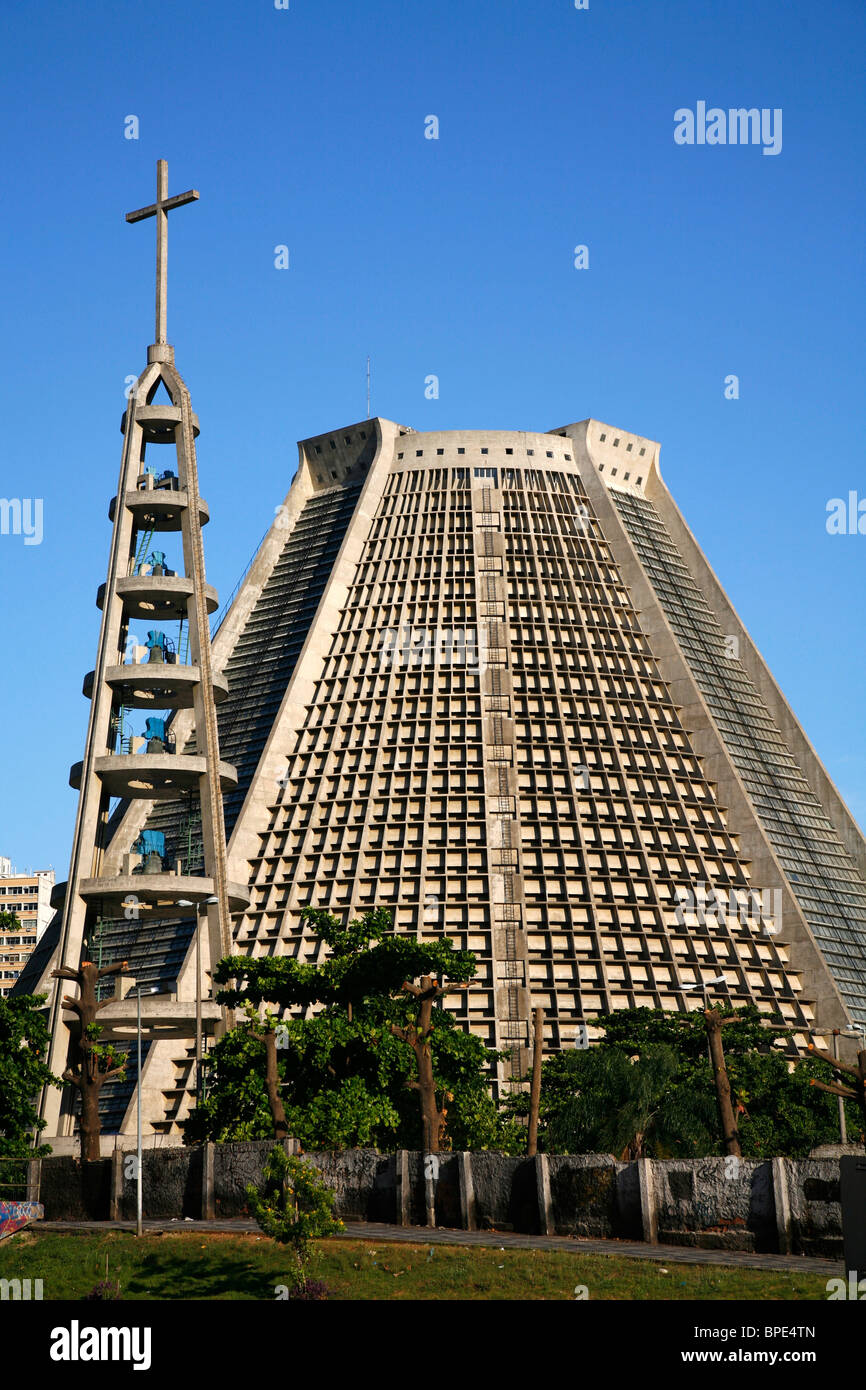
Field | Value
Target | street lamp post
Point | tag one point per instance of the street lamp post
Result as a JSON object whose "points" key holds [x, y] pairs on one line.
{"points": [[703, 986], [198, 1029], [138, 1166]]}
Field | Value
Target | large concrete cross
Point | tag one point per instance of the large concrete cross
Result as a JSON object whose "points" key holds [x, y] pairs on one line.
{"points": [[160, 210]]}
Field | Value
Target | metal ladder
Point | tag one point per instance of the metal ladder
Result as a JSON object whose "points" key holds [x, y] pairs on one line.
{"points": [[142, 546]]}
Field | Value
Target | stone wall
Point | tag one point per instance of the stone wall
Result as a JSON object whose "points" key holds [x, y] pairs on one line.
{"points": [[814, 1193], [710, 1203], [728, 1205]]}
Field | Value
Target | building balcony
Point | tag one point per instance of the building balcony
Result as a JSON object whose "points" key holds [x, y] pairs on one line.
{"points": [[160, 598], [152, 776], [161, 891], [158, 510], [156, 685], [159, 423]]}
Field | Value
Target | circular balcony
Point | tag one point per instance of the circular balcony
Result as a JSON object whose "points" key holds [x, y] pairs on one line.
{"points": [[152, 776], [158, 509], [156, 685], [152, 891], [159, 423], [162, 597]]}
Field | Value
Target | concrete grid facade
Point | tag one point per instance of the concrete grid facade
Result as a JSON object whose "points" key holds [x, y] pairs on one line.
{"points": [[487, 680]]}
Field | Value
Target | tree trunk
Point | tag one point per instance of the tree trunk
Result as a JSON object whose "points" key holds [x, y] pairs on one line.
{"points": [[426, 1083], [417, 1035], [272, 1084], [90, 1126], [535, 1089], [730, 1134], [88, 1076]]}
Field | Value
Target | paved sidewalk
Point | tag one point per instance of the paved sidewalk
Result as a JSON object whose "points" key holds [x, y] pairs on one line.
{"points": [[439, 1235]]}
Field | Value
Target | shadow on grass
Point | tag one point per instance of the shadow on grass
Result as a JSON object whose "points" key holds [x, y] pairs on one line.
{"points": [[171, 1275]]}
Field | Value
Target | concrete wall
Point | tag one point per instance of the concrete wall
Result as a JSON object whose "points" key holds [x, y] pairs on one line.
{"points": [[710, 1203]]}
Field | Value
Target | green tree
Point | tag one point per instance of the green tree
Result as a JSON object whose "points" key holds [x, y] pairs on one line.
{"points": [[294, 1206], [23, 1073], [782, 1113], [349, 1075], [632, 1030], [602, 1101], [235, 1103], [647, 1088]]}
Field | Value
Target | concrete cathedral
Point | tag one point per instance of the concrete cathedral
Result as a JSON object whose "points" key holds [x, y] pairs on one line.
{"points": [[489, 680]]}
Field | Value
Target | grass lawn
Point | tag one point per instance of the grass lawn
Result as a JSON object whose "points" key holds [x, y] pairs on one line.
{"points": [[195, 1266]]}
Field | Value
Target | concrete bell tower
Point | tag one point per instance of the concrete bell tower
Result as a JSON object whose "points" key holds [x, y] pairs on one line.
{"points": [[147, 682]]}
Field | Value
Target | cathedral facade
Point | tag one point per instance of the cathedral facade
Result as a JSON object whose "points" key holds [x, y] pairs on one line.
{"points": [[488, 680]]}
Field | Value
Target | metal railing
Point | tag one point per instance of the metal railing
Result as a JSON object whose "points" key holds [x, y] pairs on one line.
{"points": [[24, 1189], [219, 618]]}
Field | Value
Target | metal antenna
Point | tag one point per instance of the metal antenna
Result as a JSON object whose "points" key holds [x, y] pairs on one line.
{"points": [[368, 388]]}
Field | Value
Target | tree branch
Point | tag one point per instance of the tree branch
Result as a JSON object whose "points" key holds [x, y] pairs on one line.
{"points": [[837, 1065], [834, 1090], [115, 969]]}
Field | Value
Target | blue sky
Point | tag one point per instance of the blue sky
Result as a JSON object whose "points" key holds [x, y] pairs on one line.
{"points": [[305, 127]]}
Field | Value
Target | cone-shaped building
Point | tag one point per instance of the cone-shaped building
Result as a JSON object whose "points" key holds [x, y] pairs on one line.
{"points": [[490, 681]]}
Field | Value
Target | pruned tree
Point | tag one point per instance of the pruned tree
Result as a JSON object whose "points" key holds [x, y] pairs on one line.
{"points": [[93, 1063], [856, 1091], [348, 1071], [417, 1034], [265, 1032], [715, 1022]]}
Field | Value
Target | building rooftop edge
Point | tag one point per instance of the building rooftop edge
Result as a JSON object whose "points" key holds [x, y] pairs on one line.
{"points": [[378, 420]]}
